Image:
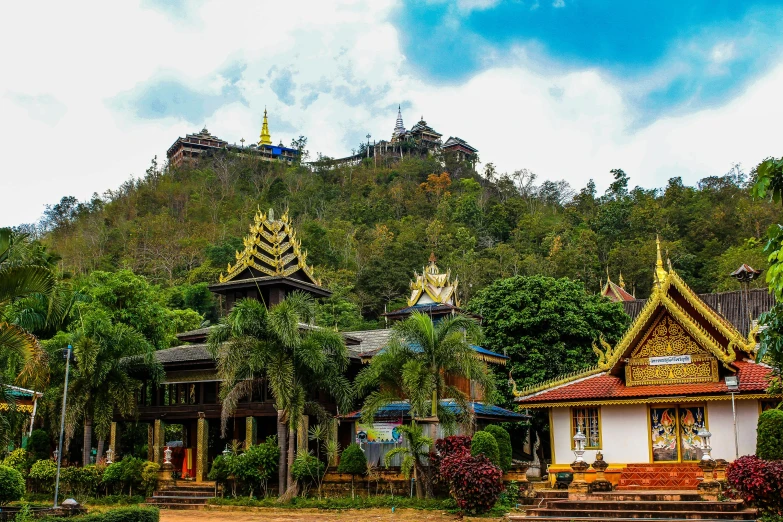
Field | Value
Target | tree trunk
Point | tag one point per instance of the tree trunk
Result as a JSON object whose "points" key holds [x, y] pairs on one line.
{"points": [[281, 442], [293, 486], [87, 441], [99, 456]]}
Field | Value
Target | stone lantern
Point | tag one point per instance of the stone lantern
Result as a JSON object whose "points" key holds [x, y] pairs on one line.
{"points": [[709, 488], [578, 489], [579, 445], [109, 456], [600, 483]]}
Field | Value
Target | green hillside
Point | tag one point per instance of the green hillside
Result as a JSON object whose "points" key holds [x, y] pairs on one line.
{"points": [[367, 228]]}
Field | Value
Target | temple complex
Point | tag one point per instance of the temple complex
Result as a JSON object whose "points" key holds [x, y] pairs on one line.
{"points": [[193, 147], [681, 382], [271, 265], [616, 292]]}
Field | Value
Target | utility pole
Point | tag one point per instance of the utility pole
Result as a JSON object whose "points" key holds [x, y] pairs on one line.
{"points": [[62, 425]]}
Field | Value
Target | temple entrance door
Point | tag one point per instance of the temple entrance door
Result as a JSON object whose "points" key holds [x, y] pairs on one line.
{"points": [[674, 432]]}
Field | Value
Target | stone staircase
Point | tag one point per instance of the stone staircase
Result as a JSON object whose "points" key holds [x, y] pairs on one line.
{"points": [[660, 477], [650, 505], [183, 495]]}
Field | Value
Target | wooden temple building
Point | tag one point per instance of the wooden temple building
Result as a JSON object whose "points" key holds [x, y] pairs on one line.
{"points": [[680, 368], [194, 147], [271, 265]]}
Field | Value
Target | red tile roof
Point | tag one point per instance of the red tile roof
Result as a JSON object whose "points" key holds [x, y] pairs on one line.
{"points": [[752, 377], [616, 292]]}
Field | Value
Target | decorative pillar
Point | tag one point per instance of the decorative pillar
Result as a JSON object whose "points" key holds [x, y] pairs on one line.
{"points": [[333, 434], [578, 488], [150, 443], [600, 483], [157, 452], [202, 441], [709, 488], [720, 469], [113, 436], [251, 431]]}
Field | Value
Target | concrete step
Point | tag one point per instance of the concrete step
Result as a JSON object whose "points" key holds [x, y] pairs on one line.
{"points": [[650, 496], [745, 514], [185, 493], [632, 505]]}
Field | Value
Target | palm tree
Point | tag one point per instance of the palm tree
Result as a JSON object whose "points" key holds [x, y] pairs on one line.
{"points": [[108, 357], [254, 345], [414, 366], [413, 455], [20, 277]]}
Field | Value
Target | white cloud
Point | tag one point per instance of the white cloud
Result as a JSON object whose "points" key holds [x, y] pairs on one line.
{"points": [[557, 4], [65, 136]]}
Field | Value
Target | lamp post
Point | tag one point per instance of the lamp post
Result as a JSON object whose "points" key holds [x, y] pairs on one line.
{"points": [[732, 383], [59, 452], [705, 443], [368, 144]]}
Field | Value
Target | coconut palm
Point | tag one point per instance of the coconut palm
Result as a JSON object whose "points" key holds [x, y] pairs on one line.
{"points": [[108, 357], [20, 277], [415, 364], [254, 345], [413, 456]]}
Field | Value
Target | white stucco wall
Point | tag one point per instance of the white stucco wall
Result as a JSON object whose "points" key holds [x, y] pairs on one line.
{"points": [[625, 438], [721, 424]]}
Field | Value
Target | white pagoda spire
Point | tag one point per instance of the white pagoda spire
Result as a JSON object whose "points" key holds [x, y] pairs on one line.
{"points": [[399, 128]]}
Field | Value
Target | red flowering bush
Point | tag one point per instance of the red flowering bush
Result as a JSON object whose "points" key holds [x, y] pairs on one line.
{"points": [[474, 482], [757, 481], [447, 447]]}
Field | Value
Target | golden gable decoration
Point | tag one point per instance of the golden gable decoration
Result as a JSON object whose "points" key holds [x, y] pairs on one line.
{"points": [[272, 249], [435, 285]]}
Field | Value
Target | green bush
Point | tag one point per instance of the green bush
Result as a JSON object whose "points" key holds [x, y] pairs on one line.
{"points": [[769, 442], [81, 482], [124, 514], [257, 464], [307, 469], [485, 444], [124, 475], [149, 477], [20, 460], [504, 445], [220, 470], [42, 476], [353, 461], [39, 444], [11, 485]]}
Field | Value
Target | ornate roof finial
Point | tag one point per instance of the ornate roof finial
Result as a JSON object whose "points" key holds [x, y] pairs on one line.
{"points": [[621, 282], [433, 258], [399, 128], [660, 272], [265, 138]]}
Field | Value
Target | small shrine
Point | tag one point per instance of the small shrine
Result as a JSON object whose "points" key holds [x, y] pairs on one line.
{"points": [[681, 383], [616, 292]]}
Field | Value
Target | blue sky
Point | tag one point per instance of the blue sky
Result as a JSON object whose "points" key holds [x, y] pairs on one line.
{"points": [[568, 89]]}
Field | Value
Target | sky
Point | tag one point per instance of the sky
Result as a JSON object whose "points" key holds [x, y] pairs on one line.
{"points": [[569, 89]]}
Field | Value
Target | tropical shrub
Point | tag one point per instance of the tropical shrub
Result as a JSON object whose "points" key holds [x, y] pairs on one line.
{"points": [[504, 445], [757, 481], [38, 445], [354, 462], [124, 474], [20, 460], [124, 514], [474, 481], [220, 470], [81, 482], [769, 444], [485, 444], [42, 476], [447, 447], [307, 470], [149, 477], [256, 465], [11, 485]]}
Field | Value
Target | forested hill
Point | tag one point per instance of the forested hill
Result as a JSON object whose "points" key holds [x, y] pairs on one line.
{"points": [[366, 229]]}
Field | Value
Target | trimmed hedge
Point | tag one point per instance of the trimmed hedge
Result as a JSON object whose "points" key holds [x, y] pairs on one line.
{"points": [[769, 445], [11, 485], [353, 460], [125, 514], [485, 444], [504, 445]]}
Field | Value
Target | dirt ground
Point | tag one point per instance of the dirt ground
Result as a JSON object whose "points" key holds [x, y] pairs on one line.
{"points": [[291, 515]]}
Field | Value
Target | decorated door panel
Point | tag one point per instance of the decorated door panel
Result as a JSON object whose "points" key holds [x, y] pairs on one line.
{"points": [[674, 433]]}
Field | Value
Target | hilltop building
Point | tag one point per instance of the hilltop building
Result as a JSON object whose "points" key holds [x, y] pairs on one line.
{"points": [[193, 147], [616, 292], [681, 368]]}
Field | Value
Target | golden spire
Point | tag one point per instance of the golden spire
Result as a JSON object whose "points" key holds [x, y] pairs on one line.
{"points": [[266, 139], [621, 282], [660, 272]]}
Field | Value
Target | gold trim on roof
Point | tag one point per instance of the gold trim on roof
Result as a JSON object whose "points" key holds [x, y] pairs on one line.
{"points": [[610, 356], [438, 286], [646, 400], [271, 248]]}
